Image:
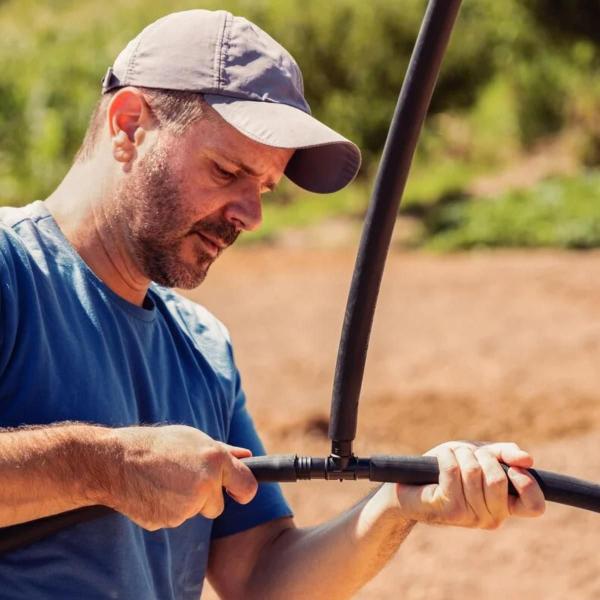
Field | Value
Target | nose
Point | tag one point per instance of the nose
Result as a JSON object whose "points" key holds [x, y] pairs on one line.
{"points": [[245, 212]]}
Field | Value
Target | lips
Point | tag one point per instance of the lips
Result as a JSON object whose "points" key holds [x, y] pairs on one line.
{"points": [[212, 246], [215, 235]]}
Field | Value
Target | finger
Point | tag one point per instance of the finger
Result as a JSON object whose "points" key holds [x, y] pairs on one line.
{"points": [[451, 446], [435, 503], [214, 504], [449, 478], [495, 486], [510, 454], [238, 480], [471, 474], [530, 502], [237, 451]]}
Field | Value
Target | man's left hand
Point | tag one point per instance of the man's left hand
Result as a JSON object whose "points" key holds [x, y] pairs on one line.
{"points": [[473, 487]]}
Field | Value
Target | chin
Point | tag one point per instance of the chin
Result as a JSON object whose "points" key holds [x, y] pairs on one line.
{"points": [[191, 283], [178, 276], [191, 277], [177, 267]]}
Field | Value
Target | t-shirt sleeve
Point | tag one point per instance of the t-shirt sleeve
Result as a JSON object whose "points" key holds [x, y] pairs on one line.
{"points": [[8, 314], [269, 503]]}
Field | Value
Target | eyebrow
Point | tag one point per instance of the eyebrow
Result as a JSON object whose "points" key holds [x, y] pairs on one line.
{"points": [[246, 169]]}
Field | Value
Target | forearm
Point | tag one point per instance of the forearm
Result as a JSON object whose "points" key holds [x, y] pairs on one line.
{"points": [[48, 470], [335, 559], [156, 476]]}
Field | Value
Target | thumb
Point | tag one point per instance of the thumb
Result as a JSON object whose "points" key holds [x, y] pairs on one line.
{"points": [[416, 501], [238, 480], [237, 451]]}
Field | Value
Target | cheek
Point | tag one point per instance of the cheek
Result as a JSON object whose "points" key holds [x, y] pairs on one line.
{"points": [[202, 200]]}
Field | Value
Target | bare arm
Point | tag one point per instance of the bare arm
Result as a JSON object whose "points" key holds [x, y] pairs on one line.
{"points": [[43, 470], [157, 476], [333, 560], [337, 558]]}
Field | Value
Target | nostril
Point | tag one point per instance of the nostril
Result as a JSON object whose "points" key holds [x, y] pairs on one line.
{"points": [[246, 214]]}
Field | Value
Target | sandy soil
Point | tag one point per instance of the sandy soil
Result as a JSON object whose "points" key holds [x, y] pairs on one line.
{"points": [[479, 346]]}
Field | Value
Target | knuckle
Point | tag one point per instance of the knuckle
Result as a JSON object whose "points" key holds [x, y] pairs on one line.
{"points": [[174, 522], [212, 511], [527, 485], [452, 470], [472, 473], [214, 505], [215, 455], [483, 453], [496, 482]]}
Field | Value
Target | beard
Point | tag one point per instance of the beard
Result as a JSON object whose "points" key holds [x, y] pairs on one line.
{"points": [[157, 224]]}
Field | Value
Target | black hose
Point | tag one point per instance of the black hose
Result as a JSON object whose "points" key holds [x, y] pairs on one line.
{"points": [[412, 470], [22, 535], [392, 174], [404, 131]]}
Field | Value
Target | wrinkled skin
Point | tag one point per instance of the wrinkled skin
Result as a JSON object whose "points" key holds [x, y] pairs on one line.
{"points": [[153, 203], [158, 224], [184, 201]]}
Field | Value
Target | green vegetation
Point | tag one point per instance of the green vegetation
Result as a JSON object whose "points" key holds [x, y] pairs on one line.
{"points": [[561, 212], [517, 72]]}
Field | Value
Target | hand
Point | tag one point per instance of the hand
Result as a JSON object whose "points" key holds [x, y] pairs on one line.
{"points": [[473, 488], [166, 475]]}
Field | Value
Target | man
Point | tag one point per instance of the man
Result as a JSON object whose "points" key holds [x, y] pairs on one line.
{"points": [[201, 114]]}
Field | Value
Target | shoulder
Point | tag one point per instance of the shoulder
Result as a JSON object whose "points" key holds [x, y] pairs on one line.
{"points": [[207, 332], [12, 247], [17, 287], [19, 234], [195, 316]]}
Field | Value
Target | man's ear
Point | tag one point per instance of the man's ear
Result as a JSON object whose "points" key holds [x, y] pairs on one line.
{"points": [[129, 117]]}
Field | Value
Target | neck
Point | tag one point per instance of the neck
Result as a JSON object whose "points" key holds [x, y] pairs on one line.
{"points": [[84, 207]]}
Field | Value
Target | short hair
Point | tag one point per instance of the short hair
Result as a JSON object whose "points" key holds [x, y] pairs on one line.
{"points": [[173, 109]]}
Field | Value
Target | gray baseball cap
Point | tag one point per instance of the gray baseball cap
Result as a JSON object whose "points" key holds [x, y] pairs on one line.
{"points": [[249, 79]]}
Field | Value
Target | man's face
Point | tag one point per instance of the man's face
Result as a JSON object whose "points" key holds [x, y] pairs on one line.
{"points": [[189, 197]]}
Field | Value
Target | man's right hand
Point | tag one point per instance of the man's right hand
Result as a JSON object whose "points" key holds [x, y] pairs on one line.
{"points": [[162, 476]]}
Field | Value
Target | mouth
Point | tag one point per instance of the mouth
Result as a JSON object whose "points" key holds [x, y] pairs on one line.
{"points": [[212, 246]]}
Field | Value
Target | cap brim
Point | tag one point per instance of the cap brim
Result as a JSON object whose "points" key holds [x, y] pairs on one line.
{"points": [[324, 160]]}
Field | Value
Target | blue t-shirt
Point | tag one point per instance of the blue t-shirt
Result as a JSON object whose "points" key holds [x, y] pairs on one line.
{"points": [[72, 349]]}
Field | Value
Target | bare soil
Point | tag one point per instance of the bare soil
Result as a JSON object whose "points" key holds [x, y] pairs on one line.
{"points": [[492, 346]]}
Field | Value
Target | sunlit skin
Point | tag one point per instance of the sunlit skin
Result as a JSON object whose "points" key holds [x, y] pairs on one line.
{"points": [[151, 205], [181, 198]]}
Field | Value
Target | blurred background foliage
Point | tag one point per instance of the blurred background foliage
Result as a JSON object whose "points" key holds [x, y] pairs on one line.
{"points": [[509, 154]]}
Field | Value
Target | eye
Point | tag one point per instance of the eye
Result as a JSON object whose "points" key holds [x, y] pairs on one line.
{"points": [[224, 174]]}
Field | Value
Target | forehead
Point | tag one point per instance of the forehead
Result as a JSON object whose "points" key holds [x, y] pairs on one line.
{"points": [[213, 134]]}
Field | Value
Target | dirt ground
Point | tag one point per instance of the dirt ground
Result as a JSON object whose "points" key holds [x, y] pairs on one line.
{"points": [[492, 346]]}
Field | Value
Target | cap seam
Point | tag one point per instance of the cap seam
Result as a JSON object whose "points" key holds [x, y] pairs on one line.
{"points": [[132, 59], [224, 44], [217, 55]]}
